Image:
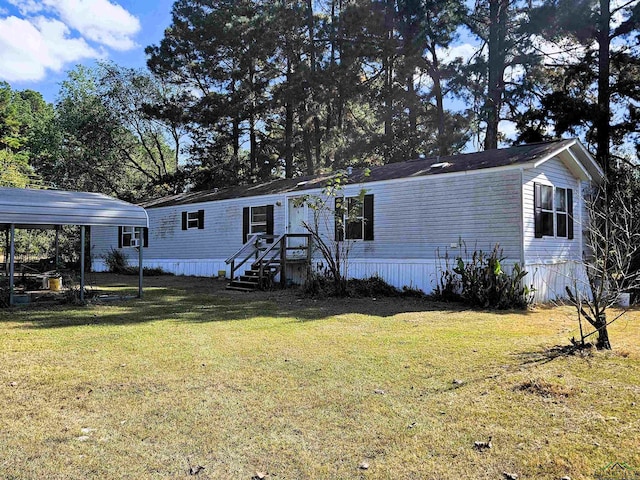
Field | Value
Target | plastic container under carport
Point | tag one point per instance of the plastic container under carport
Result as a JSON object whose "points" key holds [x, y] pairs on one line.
{"points": [[55, 284]]}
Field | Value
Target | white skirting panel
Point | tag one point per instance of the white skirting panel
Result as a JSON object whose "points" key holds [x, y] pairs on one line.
{"points": [[193, 268], [420, 274], [549, 279]]}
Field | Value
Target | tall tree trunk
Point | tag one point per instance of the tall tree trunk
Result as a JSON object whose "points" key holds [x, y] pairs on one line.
{"points": [[387, 66], [603, 129], [497, 30], [235, 127], [306, 139], [434, 73], [313, 68], [253, 143], [288, 140], [288, 123], [413, 117]]}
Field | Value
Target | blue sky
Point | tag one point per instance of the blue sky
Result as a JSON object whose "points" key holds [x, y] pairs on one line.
{"points": [[40, 40]]}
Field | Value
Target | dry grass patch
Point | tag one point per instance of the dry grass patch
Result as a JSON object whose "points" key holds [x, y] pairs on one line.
{"points": [[268, 382], [545, 388]]}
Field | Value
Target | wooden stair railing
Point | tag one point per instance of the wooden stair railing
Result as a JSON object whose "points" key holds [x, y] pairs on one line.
{"points": [[269, 260]]}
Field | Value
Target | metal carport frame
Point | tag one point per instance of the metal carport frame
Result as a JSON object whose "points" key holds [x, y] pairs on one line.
{"points": [[48, 209]]}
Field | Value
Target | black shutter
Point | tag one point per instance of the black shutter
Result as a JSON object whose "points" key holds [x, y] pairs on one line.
{"points": [[119, 237], [184, 220], [339, 220], [368, 217], [245, 224], [537, 202], [269, 209], [145, 236], [200, 219], [569, 214]]}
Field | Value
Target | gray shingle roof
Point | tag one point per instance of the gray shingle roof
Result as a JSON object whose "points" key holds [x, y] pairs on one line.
{"points": [[413, 168]]}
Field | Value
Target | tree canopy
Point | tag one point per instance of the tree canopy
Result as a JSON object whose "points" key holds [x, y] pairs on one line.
{"points": [[249, 90]]}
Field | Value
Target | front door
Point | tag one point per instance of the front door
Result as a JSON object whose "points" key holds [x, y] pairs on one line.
{"points": [[296, 216]]}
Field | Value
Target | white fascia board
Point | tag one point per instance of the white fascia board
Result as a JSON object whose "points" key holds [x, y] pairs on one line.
{"points": [[575, 160], [591, 160], [587, 175], [553, 154]]}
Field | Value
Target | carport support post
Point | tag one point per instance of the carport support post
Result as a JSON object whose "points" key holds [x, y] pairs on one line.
{"points": [[57, 265], [140, 267], [12, 254], [82, 232]]}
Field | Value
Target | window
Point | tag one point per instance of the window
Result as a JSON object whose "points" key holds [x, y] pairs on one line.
{"points": [[258, 219], [258, 222], [561, 212], [193, 220], [355, 218], [130, 237], [547, 210], [553, 211]]}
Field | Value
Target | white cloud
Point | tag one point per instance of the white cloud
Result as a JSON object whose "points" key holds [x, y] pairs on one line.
{"points": [[55, 33], [28, 48], [562, 52], [99, 21], [463, 51], [27, 7]]}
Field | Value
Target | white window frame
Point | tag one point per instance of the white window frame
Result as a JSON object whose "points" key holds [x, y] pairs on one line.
{"points": [[554, 211], [558, 212], [350, 220], [261, 224], [130, 233], [193, 220]]}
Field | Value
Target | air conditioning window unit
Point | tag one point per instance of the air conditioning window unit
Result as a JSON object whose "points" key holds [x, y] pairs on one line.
{"points": [[134, 242]]}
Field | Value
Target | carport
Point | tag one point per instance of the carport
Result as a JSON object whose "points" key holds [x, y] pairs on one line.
{"points": [[23, 208]]}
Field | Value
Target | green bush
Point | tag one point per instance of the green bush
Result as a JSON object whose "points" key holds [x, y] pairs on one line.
{"points": [[321, 284], [116, 261], [371, 287], [481, 281], [148, 271]]}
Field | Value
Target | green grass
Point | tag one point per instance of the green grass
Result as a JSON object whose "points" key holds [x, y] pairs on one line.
{"points": [[305, 388]]}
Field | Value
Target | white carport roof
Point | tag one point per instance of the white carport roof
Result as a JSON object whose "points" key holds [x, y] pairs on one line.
{"points": [[28, 208]]}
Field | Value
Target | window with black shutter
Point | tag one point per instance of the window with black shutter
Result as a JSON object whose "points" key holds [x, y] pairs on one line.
{"points": [[193, 220], [256, 220], [561, 212], [130, 237], [354, 218]]}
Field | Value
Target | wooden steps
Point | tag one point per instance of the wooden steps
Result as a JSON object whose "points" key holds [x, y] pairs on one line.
{"points": [[268, 257], [251, 279]]}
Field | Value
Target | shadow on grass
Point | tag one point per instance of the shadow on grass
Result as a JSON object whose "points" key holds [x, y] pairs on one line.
{"points": [[204, 300], [547, 355]]}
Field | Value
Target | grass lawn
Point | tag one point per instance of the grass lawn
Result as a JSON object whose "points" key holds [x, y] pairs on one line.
{"points": [[296, 388]]}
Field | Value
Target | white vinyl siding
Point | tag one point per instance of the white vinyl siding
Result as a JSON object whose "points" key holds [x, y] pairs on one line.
{"points": [[416, 219], [167, 240], [549, 249]]}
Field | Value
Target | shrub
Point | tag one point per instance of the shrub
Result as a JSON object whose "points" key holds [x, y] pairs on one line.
{"points": [[318, 283], [371, 287], [448, 283], [116, 261], [412, 292], [148, 271], [481, 281]]}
